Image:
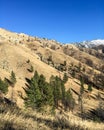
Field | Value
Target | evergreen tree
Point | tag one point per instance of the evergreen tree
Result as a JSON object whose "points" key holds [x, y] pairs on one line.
{"points": [[36, 76], [48, 95], [41, 82], [64, 63], [52, 86], [13, 78], [89, 88], [79, 67], [62, 92], [100, 109], [33, 98], [69, 101], [81, 95], [46, 91], [52, 81], [13, 82], [38, 92], [73, 73], [3, 86], [55, 83], [65, 78], [82, 86], [56, 91]]}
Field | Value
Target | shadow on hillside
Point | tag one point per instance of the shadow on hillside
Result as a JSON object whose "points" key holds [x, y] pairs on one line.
{"points": [[75, 91], [56, 124], [8, 126], [77, 83], [7, 105], [96, 115]]}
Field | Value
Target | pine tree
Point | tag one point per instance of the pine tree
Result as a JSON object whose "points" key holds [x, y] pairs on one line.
{"points": [[62, 92], [13, 82], [100, 109], [36, 76], [13, 78], [33, 94], [56, 91], [82, 86], [79, 67], [89, 88], [55, 83], [64, 63], [48, 95], [52, 87], [52, 80], [69, 101], [73, 73], [45, 90], [81, 95], [65, 78], [41, 82], [38, 92], [3, 86]]}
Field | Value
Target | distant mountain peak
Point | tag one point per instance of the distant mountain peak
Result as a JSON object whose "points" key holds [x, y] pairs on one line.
{"points": [[90, 44], [98, 42]]}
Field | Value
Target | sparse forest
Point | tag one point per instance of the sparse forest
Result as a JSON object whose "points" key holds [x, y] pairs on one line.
{"points": [[46, 85]]}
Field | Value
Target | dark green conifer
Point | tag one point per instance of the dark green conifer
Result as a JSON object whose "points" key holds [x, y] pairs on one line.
{"points": [[81, 95], [65, 78], [33, 94], [13, 78], [89, 88], [69, 101], [3, 86]]}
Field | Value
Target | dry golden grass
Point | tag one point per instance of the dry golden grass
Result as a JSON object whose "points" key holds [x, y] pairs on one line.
{"points": [[73, 122], [32, 120], [13, 56], [19, 121]]}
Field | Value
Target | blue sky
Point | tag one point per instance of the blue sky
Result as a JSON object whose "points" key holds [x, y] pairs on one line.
{"points": [[62, 20]]}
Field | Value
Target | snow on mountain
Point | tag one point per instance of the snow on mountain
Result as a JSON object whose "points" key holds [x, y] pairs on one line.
{"points": [[90, 44], [97, 42]]}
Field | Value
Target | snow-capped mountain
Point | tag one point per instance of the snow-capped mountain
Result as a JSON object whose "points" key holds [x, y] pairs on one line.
{"points": [[90, 44]]}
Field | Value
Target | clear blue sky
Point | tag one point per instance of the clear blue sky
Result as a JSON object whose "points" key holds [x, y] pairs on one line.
{"points": [[62, 20]]}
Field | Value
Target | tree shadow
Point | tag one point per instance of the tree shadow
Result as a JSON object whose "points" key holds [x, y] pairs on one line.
{"points": [[75, 91], [77, 83], [28, 81], [93, 114], [8, 81], [8, 126]]}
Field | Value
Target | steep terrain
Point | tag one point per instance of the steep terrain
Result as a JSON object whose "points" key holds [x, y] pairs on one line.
{"points": [[20, 52], [46, 56]]}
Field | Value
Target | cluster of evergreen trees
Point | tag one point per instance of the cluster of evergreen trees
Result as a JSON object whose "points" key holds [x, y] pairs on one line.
{"points": [[40, 93]]}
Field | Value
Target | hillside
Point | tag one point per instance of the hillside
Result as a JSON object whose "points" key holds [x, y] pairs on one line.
{"points": [[20, 52]]}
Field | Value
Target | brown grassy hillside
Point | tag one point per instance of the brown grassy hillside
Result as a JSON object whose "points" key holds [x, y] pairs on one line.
{"points": [[18, 52]]}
